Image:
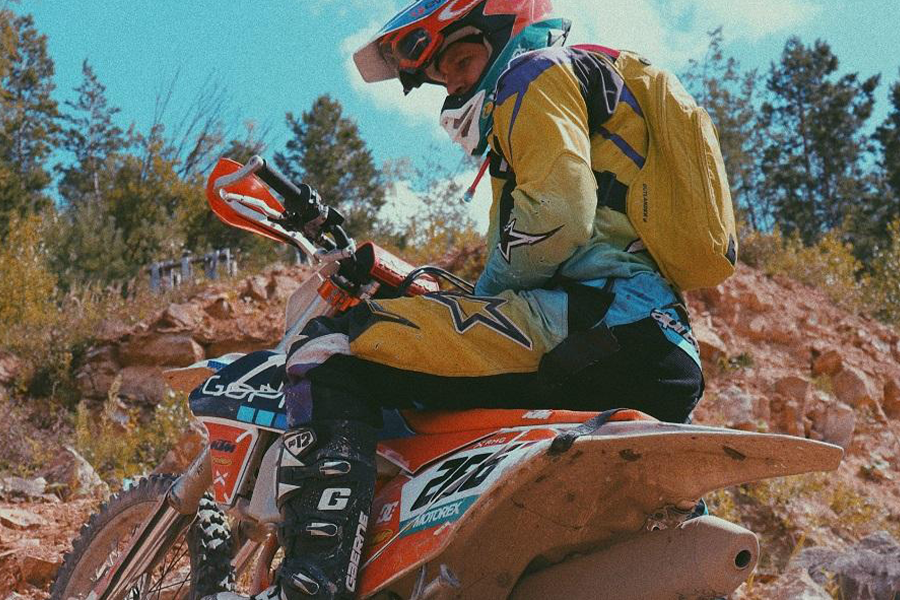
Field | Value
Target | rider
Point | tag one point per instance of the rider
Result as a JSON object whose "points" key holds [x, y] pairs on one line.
{"points": [[570, 311]]}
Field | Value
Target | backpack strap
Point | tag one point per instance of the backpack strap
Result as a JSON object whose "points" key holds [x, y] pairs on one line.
{"points": [[611, 192]]}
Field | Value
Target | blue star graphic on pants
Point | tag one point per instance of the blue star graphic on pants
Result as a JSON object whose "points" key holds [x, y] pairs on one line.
{"points": [[486, 312]]}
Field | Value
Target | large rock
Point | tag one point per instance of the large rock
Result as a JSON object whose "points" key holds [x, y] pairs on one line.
{"points": [[854, 387], [36, 569], [98, 373], [787, 415], [831, 421], [891, 403], [179, 318], [16, 518], [142, 384], [255, 288], [796, 584], [738, 408], [712, 348], [220, 307], [10, 367], [765, 329], [17, 488], [280, 287], [794, 388], [170, 349], [868, 571], [829, 363], [73, 476], [871, 571]]}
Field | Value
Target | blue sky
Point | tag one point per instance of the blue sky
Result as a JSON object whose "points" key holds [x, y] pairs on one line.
{"points": [[276, 56]]}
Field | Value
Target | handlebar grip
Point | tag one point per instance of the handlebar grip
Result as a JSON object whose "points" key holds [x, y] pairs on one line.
{"points": [[294, 196]]}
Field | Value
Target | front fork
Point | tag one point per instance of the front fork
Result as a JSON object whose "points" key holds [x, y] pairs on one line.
{"points": [[172, 515]]}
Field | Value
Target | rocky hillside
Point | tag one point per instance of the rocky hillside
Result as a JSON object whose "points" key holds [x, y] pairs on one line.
{"points": [[778, 357]]}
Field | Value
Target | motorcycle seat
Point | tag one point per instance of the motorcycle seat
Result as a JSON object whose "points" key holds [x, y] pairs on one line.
{"points": [[431, 422]]}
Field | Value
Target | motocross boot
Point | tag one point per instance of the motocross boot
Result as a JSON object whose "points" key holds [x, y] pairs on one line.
{"points": [[325, 482]]}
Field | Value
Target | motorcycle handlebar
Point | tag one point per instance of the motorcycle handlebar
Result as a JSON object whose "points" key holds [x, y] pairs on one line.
{"points": [[253, 165]]}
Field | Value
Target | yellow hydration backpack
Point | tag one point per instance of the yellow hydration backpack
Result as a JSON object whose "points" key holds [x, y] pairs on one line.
{"points": [[679, 203]]}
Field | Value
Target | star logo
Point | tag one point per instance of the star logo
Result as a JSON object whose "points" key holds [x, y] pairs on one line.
{"points": [[379, 313], [376, 313], [468, 311], [511, 238]]}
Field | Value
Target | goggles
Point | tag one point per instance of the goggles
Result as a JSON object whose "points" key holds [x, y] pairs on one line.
{"points": [[409, 51]]}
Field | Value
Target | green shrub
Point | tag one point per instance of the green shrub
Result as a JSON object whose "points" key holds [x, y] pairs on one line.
{"points": [[122, 443], [27, 287], [882, 293], [828, 265]]}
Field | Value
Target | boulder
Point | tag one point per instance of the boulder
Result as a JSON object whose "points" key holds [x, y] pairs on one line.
{"points": [[74, 476], [829, 363], [854, 387], [171, 349], [17, 488], [98, 373], [794, 388], [16, 518], [10, 367], [179, 318], [220, 308], [712, 348], [796, 584], [891, 402], [868, 571], [142, 384], [738, 408], [751, 300], [765, 329], [871, 571], [786, 415], [280, 287], [240, 343], [36, 569], [111, 330], [834, 422], [255, 288]]}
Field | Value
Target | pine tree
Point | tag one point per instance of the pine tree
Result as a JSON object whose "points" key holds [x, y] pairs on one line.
{"points": [[888, 137], [729, 95], [92, 137], [812, 163], [328, 153], [28, 116]]}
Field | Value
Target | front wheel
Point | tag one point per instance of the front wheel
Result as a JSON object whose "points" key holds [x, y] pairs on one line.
{"points": [[197, 564]]}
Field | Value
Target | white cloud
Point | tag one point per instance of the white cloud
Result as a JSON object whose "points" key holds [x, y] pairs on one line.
{"points": [[674, 31], [404, 204]]}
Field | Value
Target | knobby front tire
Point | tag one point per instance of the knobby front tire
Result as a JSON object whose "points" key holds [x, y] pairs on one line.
{"points": [[197, 564]]}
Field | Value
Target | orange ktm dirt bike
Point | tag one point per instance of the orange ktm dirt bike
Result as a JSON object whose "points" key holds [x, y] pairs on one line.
{"points": [[479, 504]]}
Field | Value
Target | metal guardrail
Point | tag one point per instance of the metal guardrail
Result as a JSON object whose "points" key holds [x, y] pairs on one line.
{"points": [[172, 273]]}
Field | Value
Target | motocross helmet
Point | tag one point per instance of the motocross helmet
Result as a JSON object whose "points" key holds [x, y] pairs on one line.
{"points": [[409, 46]]}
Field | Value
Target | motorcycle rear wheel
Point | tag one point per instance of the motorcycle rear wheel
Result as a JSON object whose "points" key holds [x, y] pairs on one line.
{"points": [[197, 564]]}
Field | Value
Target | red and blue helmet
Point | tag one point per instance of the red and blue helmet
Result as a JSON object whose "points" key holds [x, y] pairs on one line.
{"points": [[407, 47]]}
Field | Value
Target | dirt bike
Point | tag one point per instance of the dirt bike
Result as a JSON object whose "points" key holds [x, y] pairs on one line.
{"points": [[480, 504]]}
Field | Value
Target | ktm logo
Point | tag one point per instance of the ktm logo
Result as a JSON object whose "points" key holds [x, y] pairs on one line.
{"points": [[223, 446]]}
